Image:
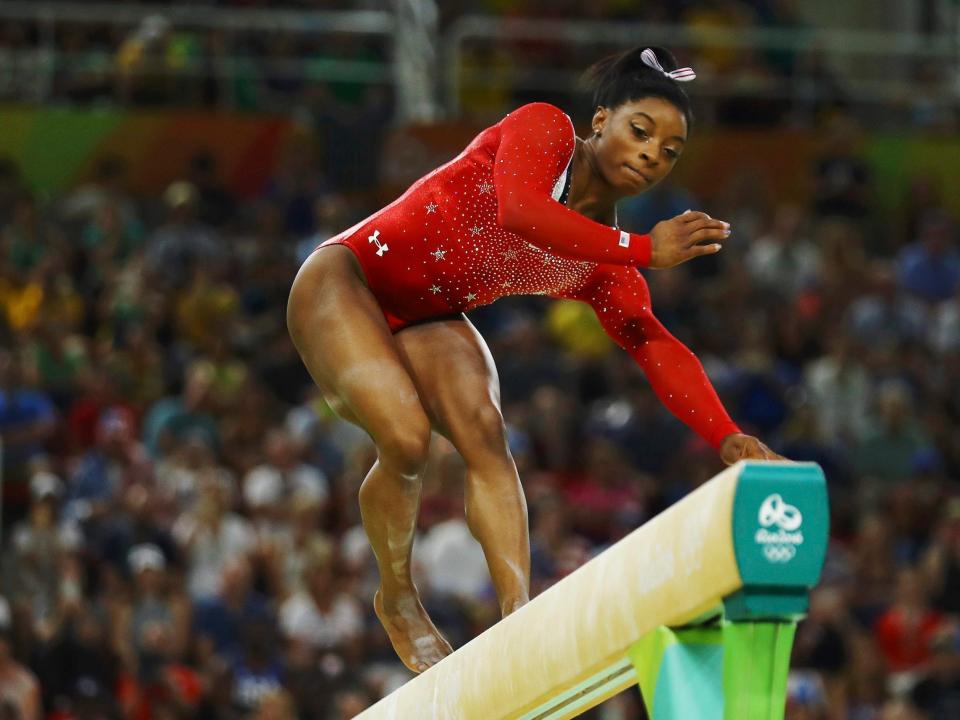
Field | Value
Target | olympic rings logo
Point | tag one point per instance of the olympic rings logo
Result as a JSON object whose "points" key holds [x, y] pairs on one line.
{"points": [[779, 553], [774, 511]]}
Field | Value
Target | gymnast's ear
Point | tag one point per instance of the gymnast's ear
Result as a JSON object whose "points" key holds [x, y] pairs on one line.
{"points": [[600, 116]]}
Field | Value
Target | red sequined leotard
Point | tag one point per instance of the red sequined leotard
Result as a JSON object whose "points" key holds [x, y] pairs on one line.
{"points": [[488, 224]]}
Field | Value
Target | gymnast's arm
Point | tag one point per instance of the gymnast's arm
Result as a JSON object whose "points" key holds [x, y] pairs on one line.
{"points": [[536, 144], [621, 299]]}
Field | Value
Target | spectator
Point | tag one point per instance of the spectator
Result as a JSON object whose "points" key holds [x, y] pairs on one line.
{"points": [[938, 692], [284, 475], [823, 644], [258, 672], [867, 689], [213, 540], [139, 518], [944, 334], [606, 498], [842, 177], [929, 268], [110, 238], [28, 241], [295, 188], [171, 419], [145, 63], [839, 388], [19, 689], [109, 186], [78, 663], [27, 422], [806, 696], [941, 563], [183, 242], [321, 615], [43, 554], [153, 607], [161, 682], [882, 318], [330, 213], [116, 462], [219, 620], [206, 312], [904, 632], [887, 451], [784, 260]]}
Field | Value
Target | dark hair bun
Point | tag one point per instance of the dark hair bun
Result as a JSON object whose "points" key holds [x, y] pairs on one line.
{"points": [[621, 78]]}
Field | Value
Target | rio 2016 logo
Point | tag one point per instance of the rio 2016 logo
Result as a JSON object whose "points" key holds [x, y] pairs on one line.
{"points": [[779, 544]]}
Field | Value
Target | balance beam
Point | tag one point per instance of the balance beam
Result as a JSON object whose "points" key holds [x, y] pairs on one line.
{"points": [[752, 540]]}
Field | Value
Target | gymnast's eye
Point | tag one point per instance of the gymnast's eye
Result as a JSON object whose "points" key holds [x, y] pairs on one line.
{"points": [[639, 131]]}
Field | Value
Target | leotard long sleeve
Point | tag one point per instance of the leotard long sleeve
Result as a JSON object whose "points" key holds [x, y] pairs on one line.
{"points": [[621, 299]]}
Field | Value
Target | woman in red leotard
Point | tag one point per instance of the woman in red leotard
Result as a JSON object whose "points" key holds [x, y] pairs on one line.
{"points": [[377, 311]]}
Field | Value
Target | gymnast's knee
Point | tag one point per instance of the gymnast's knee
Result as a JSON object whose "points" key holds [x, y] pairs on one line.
{"points": [[405, 447]]}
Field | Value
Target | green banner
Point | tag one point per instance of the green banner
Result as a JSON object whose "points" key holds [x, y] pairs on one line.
{"points": [[756, 662], [726, 671]]}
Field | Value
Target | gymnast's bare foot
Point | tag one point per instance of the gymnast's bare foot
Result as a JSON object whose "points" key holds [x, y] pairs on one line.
{"points": [[415, 639], [511, 606]]}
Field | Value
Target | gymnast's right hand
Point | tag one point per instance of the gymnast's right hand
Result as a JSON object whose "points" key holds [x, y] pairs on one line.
{"points": [[685, 237]]}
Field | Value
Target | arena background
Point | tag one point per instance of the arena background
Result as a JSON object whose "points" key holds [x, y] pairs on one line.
{"points": [[180, 532]]}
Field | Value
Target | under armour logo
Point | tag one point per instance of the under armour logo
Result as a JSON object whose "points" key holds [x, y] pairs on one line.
{"points": [[774, 511], [381, 247]]}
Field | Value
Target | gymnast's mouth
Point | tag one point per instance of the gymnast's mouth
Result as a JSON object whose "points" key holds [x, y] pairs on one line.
{"points": [[638, 174]]}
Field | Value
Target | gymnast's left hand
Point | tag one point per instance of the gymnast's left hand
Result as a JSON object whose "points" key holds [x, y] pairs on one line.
{"points": [[738, 446]]}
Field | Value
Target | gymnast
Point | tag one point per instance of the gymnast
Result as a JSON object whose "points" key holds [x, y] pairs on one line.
{"points": [[377, 312]]}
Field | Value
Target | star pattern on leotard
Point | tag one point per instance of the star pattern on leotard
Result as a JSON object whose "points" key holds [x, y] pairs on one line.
{"points": [[442, 262]]}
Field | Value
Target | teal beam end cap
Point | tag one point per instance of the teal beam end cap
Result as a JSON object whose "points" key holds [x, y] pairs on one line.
{"points": [[781, 523]]}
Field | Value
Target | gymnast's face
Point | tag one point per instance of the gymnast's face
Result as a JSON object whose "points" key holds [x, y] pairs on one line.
{"points": [[638, 142]]}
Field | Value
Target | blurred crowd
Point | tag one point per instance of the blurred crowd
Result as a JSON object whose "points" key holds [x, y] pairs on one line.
{"points": [[180, 529], [181, 535]]}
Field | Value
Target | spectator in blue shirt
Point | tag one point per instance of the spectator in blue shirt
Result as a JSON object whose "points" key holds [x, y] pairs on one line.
{"points": [[930, 267], [27, 422]]}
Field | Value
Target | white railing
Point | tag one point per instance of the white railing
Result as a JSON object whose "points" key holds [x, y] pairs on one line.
{"points": [[376, 22], [871, 68], [48, 18]]}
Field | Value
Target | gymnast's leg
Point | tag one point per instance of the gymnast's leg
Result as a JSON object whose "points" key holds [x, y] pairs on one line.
{"points": [[457, 381], [339, 331]]}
